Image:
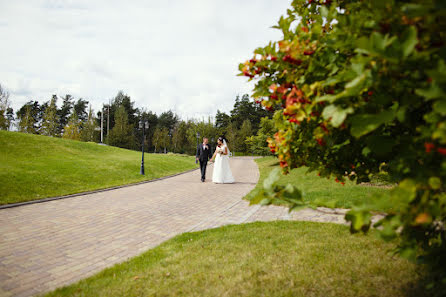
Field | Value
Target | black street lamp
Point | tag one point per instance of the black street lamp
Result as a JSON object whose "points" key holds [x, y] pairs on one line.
{"points": [[142, 125]]}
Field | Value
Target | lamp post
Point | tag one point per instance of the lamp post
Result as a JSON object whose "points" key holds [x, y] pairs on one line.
{"points": [[143, 124]]}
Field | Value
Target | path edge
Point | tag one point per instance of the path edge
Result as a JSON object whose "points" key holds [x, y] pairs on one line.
{"points": [[18, 204]]}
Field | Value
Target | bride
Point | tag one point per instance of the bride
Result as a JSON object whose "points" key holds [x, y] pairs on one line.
{"points": [[222, 172]]}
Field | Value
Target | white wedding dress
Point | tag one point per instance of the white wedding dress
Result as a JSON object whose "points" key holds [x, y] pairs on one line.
{"points": [[222, 173]]}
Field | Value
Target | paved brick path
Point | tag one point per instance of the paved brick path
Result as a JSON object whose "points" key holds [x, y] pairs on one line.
{"points": [[47, 245]]}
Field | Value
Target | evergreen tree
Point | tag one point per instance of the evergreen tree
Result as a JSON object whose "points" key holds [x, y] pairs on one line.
{"points": [[80, 108], [9, 117], [64, 112], [122, 133], [50, 121], [168, 120], [73, 128]]}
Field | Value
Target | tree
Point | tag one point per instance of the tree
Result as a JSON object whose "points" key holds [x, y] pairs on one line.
{"points": [[73, 128], [4, 105], [26, 123], [89, 131], [168, 120], [258, 144], [245, 132], [80, 108], [232, 137], [50, 120], [157, 138], [358, 87], [122, 133], [29, 116], [245, 109], [64, 112], [222, 120], [9, 117], [179, 138]]}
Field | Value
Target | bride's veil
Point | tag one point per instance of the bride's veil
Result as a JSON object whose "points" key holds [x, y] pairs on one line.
{"points": [[229, 152]]}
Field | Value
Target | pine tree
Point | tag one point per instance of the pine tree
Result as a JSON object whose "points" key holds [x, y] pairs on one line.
{"points": [[50, 122]]}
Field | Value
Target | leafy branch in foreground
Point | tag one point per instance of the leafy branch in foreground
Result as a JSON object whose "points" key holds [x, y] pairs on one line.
{"points": [[359, 87]]}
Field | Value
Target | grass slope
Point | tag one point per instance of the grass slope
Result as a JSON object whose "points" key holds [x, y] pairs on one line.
{"points": [[34, 167], [260, 259], [321, 191]]}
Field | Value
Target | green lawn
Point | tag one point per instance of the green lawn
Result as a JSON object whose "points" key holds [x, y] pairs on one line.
{"points": [[260, 259], [321, 191], [34, 167]]}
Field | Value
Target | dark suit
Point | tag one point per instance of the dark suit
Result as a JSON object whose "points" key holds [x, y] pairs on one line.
{"points": [[203, 155]]}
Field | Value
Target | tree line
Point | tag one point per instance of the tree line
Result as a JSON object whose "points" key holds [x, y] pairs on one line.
{"points": [[246, 127]]}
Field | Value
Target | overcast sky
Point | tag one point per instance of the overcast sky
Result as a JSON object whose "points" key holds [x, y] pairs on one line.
{"points": [[171, 54]]}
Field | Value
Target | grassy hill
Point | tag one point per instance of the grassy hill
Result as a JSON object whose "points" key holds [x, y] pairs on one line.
{"points": [[35, 167]]}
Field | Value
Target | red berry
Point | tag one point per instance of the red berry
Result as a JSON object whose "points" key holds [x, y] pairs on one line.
{"points": [[320, 141], [308, 53], [370, 93], [273, 97], [283, 164], [273, 58], [331, 91], [305, 29], [253, 61], [442, 151], [429, 146]]}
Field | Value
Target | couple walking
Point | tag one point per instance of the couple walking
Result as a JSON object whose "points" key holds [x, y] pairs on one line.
{"points": [[222, 172]]}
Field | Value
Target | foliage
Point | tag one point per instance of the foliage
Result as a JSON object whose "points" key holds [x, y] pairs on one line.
{"points": [[30, 117], [244, 132], [64, 112], [358, 87], [4, 106], [50, 119], [89, 130], [279, 258], [257, 144], [33, 167], [121, 135], [73, 128]]}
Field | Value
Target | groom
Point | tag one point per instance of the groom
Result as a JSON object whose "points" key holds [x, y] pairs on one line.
{"points": [[203, 155]]}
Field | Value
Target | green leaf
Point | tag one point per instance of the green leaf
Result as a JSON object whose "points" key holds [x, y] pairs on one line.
{"points": [[273, 177], [433, 92], [336, 113], [435, 182], [366, 123], [380, 145], [409, 38], [440, 106]]}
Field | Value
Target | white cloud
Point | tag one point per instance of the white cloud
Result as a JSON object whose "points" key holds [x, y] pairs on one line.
{"points": [[173, 54]]}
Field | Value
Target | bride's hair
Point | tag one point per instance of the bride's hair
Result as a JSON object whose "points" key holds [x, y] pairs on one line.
{"points": [[221, 139]]}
